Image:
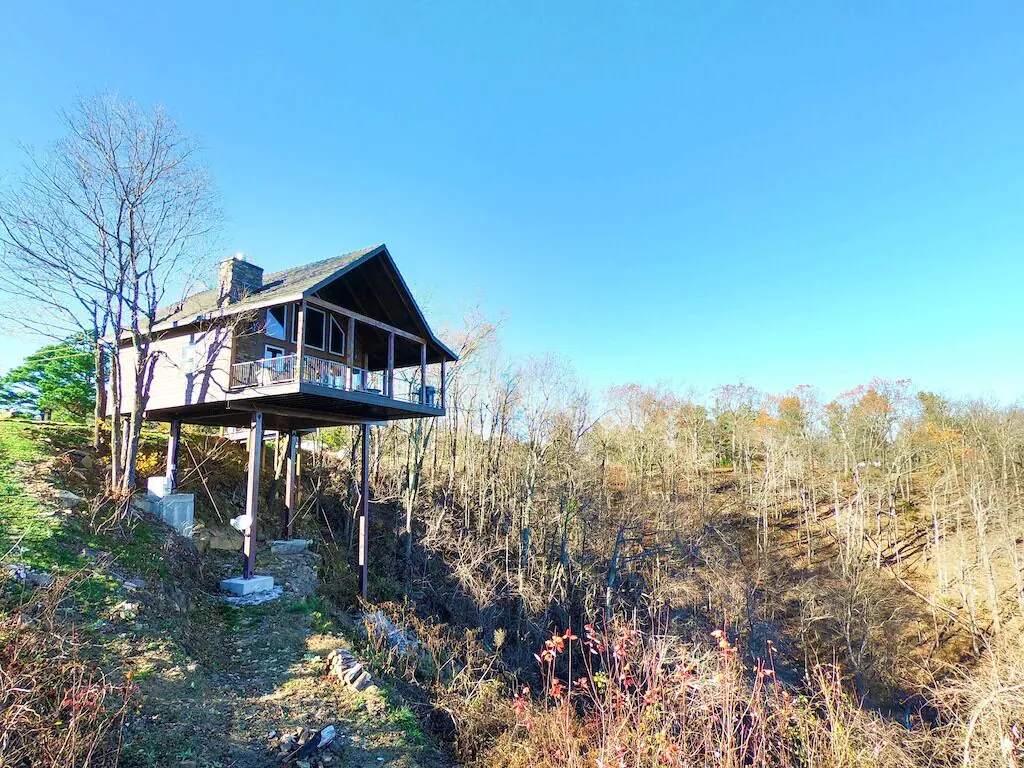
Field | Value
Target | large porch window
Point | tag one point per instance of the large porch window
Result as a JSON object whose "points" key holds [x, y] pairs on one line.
{"points": [[315, 328], [277, 322], [337, 338]]}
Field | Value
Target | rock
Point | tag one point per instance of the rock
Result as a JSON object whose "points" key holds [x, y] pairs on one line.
{"points": [[297, 572], [289, 546], [21, 572], [222, 538], [40, 579], [142, 504], [352, 673], [69, 500], [327, 736], [402, 640], [361, 682], [254, 598], [84, 459], [133, 585]]}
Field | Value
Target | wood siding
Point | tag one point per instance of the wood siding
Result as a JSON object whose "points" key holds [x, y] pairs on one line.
{"points": [[192, 366]]}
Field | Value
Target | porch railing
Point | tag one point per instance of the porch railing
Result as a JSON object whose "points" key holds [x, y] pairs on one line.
{"points": [[261, 373], [329, 373]]}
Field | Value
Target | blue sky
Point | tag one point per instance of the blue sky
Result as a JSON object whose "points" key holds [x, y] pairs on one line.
{"points": [[694, 193]]}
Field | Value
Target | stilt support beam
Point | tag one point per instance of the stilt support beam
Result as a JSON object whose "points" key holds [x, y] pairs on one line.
{"points": [[364, 515], [252, 493], [291, 491], [173, 439]]}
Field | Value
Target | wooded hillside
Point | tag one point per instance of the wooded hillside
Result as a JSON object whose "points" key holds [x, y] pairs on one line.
{"points": [[881, 532]]}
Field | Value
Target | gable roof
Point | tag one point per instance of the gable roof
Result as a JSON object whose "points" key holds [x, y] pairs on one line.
{"points": [[285, 286]]}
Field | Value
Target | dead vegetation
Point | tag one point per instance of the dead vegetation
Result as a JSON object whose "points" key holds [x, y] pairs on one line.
{"points": [[60, 706]]}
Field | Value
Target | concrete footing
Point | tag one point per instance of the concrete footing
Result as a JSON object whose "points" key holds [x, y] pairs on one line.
{"points": [[178, 511], [241, 586]]}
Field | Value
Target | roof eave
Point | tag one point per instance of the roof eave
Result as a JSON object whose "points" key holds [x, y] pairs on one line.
{"points": [[226, 311]]}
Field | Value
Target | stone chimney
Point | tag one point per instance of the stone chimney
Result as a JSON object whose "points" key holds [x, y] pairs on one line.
{"points": [[236, 278]]}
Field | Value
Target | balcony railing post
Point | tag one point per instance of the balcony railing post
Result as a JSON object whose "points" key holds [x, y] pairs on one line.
{"points": [[300, 341], [389, 382], [423, 374], [444, 385], [350, 352]]}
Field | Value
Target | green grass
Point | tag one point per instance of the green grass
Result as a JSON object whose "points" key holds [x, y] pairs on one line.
{"points": [[319, 611], [27, 533], [31, 532]]}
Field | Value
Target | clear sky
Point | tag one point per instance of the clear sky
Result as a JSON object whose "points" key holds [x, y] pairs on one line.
{"points": [[696, 193]]}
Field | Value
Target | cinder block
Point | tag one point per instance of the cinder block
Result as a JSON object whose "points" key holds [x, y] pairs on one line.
{"points": [[178, 510], [241, 586], [289, 546]]}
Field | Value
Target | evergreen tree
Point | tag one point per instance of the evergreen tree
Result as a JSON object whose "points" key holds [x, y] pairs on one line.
{"points": [[55, 382]]}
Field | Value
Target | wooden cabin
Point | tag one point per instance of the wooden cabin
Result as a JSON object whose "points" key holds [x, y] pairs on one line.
{"points": [[339, 341]]}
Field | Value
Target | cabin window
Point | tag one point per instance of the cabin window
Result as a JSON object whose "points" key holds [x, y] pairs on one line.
{"points": [[315, 328], [277, 322], [337, 338]]}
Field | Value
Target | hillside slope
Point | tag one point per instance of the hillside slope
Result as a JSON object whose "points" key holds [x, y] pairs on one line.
{"points": [[205, 683]]}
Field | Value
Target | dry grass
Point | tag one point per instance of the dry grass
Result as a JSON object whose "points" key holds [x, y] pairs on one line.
{"points": [[57, 707], [627, 698], [983, 708]]}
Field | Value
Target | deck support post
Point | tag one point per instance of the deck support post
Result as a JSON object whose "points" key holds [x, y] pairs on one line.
{"points": [[423, 374], [290, 485], [364, 515], [173, 439], [389, 380], [252, 493]]}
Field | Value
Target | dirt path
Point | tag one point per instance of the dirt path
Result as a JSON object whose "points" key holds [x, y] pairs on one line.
{"points": [[264, 677]]}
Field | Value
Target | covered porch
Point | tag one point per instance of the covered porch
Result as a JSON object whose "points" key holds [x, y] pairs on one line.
{"points": [[341, 350]]}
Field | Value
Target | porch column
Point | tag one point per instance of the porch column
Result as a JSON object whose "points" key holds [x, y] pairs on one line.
{"points": [[423, 374], [173, 438], [350, 343], [389, 381], [252, 493], [300, 340], [290, 486], [364, 515], [444, 382]]}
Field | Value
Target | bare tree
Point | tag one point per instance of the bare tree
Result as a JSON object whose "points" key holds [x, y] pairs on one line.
{"points": [[101, 231]]}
